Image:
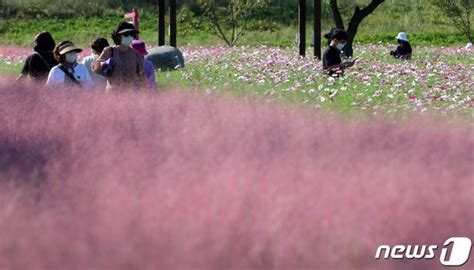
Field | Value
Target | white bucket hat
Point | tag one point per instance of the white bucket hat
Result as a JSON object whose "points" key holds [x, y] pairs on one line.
{"points": [[402, 36]]}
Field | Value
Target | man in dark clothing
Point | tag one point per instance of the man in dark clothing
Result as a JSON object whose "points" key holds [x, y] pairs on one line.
{"points": [[38, 64], [332, 54], [404, 49]]}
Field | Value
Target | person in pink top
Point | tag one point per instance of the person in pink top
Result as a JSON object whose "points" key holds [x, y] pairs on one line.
{"points": [[139, 46]]}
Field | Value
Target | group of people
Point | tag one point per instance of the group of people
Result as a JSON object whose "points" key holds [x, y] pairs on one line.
{"points": [[337, 40], [122, 66]]}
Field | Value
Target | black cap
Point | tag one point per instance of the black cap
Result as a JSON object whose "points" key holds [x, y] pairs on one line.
{"points": [[339, 34], [125, 27]]}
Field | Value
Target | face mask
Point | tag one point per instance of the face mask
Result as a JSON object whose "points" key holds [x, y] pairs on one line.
{"points": [[71, 57], [340, 46], [127, 41]]}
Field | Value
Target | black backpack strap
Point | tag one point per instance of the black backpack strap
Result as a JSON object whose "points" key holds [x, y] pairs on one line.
{"points": [[42, 58], [70, 75]]}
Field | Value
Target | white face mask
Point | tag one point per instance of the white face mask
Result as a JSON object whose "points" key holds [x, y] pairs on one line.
{"points": [[340, 46], [71, 57], [127, 41]]}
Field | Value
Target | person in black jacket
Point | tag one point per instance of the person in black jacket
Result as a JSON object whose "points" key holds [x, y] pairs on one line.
{"points": [[38, 64], [332, 54], [404, 49]]}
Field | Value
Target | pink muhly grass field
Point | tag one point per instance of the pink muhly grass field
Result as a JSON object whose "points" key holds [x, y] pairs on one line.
{"points": [[190, 181]]}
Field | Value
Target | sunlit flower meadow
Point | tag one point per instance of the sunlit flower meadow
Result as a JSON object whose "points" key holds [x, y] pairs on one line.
{"points": [[436, 79]]}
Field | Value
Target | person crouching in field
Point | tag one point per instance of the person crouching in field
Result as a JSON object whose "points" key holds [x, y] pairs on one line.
{"points": [[122, 65], [97, 47], [404, 49], [38, 65], [332, 54], [140, 47], [68, 72]]}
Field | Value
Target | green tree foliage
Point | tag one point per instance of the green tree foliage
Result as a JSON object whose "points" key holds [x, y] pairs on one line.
{"points": [[359, 15], [459, 13], [230, 18]]}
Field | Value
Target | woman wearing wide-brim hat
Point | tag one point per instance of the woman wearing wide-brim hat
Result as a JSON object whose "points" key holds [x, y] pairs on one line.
{"points": [[68, 72], [121, 64]]}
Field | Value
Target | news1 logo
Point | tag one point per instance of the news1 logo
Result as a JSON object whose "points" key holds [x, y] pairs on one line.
{"points": [[455, 252]]}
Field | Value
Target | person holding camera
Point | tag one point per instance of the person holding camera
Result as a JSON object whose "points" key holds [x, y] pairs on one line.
{"points": [[121, 64], [332, 61]]}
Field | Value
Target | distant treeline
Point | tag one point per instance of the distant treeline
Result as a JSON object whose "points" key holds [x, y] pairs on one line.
{"points": [[281, 11]]}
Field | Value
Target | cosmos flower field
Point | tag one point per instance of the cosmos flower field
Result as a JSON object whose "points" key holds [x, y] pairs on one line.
{"points": [[437, 80], [195, 180]]}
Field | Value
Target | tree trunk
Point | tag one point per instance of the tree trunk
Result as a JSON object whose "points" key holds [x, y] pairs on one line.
{"points": [[302, 26], [352, 31], [337, 15], [317, 29], [357, 18], [161, 22], [468, 23], [172, 6]]}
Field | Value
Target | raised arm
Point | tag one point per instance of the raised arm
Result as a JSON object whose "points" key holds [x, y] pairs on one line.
{"points": [[97, 64]]}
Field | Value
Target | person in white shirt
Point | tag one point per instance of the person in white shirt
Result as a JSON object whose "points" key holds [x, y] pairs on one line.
{"points": [[97, 46], [69, 72]]}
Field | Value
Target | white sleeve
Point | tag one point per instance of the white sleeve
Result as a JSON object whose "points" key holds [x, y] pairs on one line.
{"points": [[88, 62], [85, 60], [55, 76]]}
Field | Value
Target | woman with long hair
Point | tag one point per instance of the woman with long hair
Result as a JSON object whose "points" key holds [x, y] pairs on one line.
{"points": [[38, 64]]}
